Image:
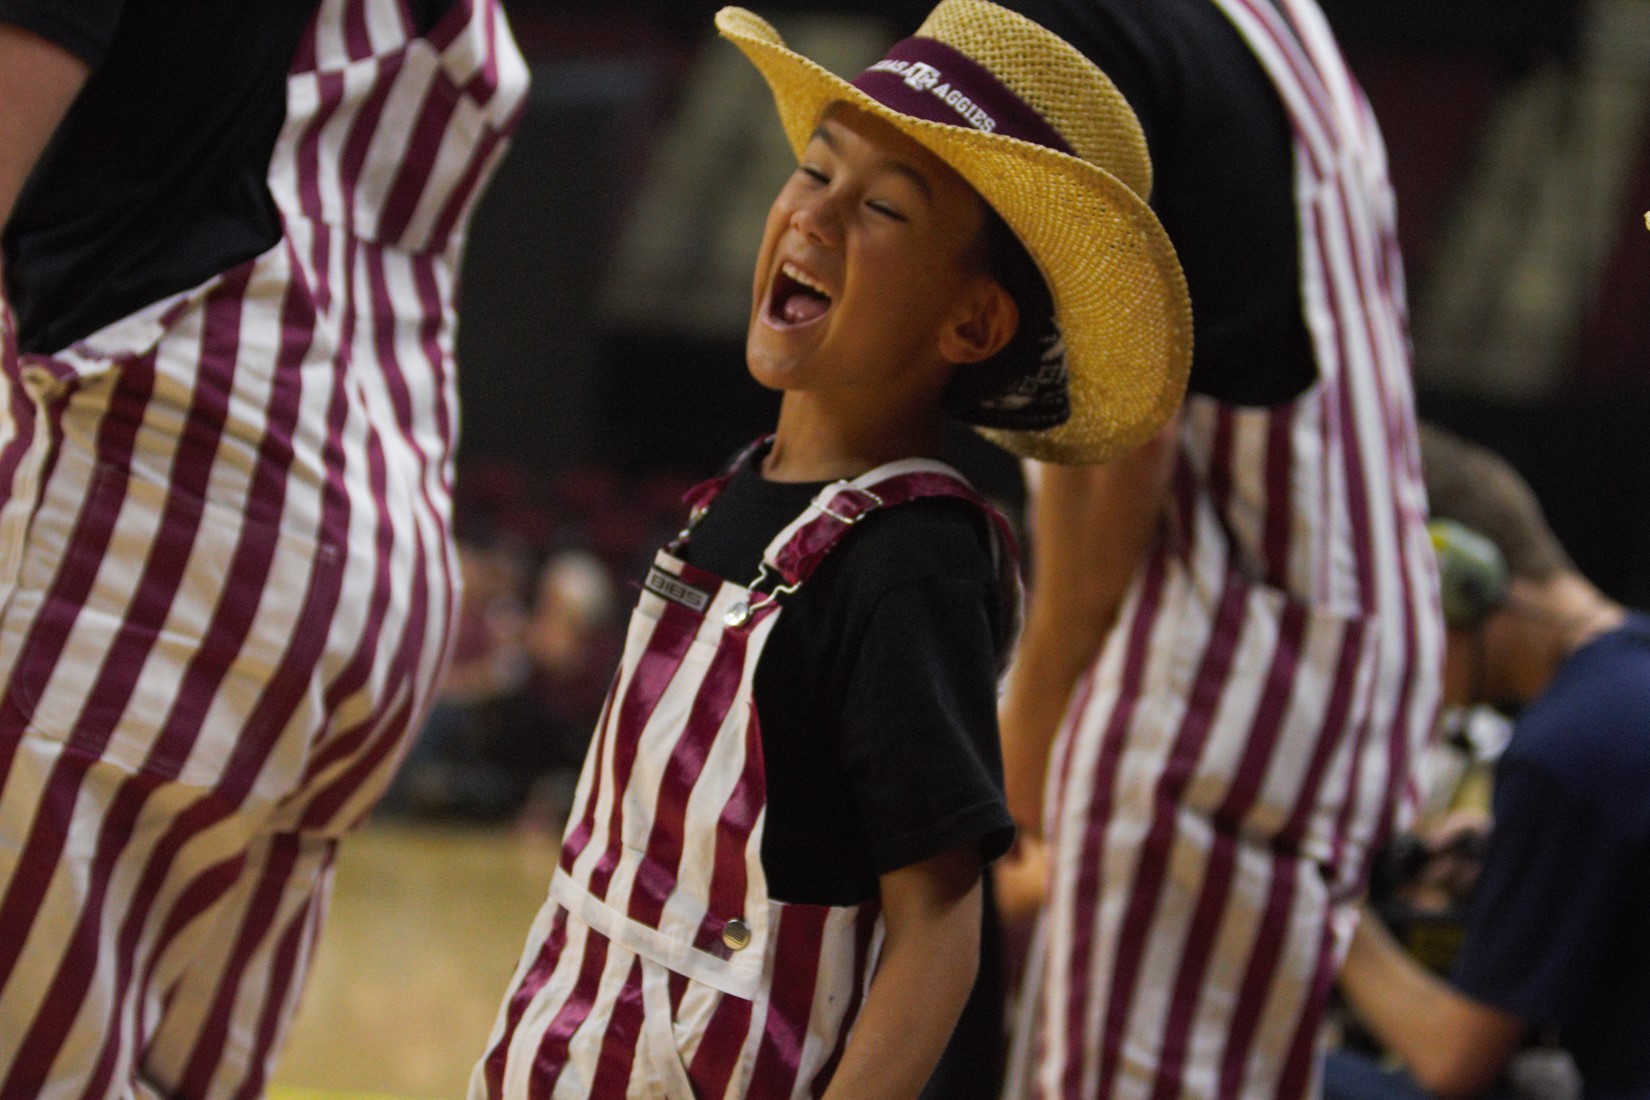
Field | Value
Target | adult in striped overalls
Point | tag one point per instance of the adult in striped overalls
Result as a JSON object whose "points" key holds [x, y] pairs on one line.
{"points": [[226, 578], [837, 710], [1232, 652]]}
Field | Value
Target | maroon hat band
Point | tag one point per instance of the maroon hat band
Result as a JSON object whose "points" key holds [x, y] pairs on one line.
{"points": [[924, 78]]}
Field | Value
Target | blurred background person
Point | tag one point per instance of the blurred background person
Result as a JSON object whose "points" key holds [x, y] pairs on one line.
{"points": [[1556, 937]]}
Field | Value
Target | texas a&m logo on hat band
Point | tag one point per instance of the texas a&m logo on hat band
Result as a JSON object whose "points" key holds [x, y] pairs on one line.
{"points": [[927, 79]]}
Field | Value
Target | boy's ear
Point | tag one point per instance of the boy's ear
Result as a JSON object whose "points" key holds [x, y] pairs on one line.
{"points": [[986, 320]]}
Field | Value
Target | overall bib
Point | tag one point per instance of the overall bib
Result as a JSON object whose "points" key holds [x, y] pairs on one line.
{"points": [[659, 965]]}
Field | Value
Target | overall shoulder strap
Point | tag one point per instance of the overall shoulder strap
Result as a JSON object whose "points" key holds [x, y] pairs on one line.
{"points": [[798, 550]]}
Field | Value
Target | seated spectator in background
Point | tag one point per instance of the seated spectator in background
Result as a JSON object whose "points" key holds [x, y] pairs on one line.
{"points": [[448, 771], [1558, 932], [525, 688], [573, 639]]}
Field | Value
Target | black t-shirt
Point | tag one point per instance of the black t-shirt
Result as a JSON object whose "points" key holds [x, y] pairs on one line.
{"points": [[157, 178], [876, 691], [1224, 185]]}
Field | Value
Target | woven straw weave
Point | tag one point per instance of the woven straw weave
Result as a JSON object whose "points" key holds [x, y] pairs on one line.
{"points": [[1055, 79]]}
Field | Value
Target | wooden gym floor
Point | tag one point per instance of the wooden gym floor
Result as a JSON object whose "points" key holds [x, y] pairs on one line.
{"points": [[426, 925]]}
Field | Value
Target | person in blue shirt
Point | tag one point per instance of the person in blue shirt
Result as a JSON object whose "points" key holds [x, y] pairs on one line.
{"points": [[1558, 929]]}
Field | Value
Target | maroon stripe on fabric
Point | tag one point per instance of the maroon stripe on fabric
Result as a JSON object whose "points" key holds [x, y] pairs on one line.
{"points": [[357, 40], [287, 967], [733, 852], [354, 675], [204, 891], [418, 164], [1086, 894], [40, 653], [1256, 986], [574, 842], [433, 323], [465, 191], [1145, 891], [1402, 740], [655, 671], [1356, 504], [801, 934], [1260, 743], [713, 1064], [453, 22], [1261, 971], [1267, 725], [389, 356], [483, 84], [656, 879], [1184, 488], [1302, 1060], [1359, 479], [325, 804], [1337, 713], [865, 926], [1279, 503], [551, 1057], [624, 1032], [55, 1018], [404, 15], [926, 78], [329, 90], [261, 911], [363, 128], [544, 965]]}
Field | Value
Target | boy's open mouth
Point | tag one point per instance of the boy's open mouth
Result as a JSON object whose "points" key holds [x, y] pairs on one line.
{"points": [[796, 297]]}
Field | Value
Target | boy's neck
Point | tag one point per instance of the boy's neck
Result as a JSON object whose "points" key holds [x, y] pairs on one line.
{"points": [[818, 441]]}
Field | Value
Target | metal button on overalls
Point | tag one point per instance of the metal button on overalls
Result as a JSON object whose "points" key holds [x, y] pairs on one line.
{"points": [[736, 934]]}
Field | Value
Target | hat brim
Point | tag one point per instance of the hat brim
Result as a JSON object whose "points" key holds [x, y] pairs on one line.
{"points": [[1119, 294]]}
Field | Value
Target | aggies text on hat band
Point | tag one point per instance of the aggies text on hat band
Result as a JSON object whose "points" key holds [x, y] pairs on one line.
{"points": [[927, 79]]}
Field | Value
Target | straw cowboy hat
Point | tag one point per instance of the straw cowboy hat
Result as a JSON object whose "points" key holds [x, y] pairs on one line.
{"points": [[1046, 138]]}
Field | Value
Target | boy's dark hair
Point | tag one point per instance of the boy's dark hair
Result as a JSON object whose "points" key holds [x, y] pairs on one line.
{"points": [[976, 392]]}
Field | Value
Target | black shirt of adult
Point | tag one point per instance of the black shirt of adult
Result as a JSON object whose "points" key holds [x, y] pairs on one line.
{"points": [[157, 179]]}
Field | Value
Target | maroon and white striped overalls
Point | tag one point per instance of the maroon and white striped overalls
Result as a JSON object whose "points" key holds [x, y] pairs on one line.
{"points": [[227, 580], [659, 966], [1235, 757]]}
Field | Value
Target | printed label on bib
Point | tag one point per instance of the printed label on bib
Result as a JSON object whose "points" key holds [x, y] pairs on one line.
{"points": [[676, 590]]}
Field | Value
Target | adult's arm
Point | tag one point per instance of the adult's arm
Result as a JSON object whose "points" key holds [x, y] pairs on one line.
{"points": [[930, 957], [38, 81], [1453, 1046], [1090, 529]]}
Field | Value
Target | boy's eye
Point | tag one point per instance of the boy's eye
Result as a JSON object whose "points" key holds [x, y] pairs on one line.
{"points": [[886, 210], [815, 174]]}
